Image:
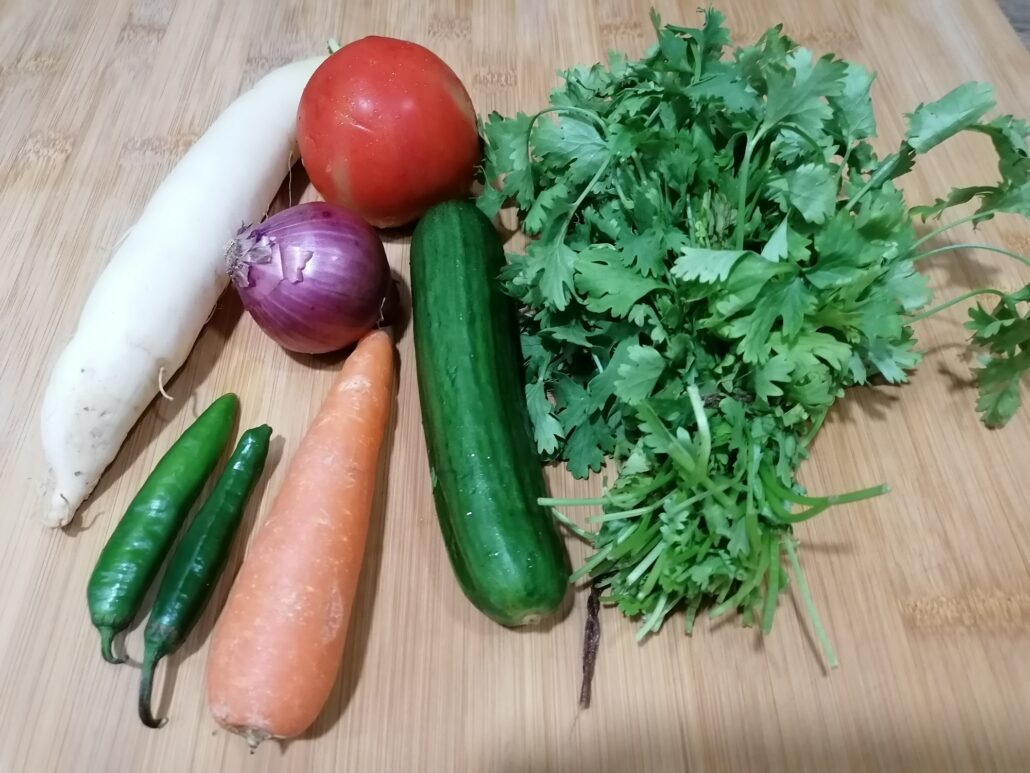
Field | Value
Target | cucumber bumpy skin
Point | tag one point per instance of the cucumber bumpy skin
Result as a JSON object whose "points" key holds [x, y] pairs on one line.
{"points": [[504, 547]]}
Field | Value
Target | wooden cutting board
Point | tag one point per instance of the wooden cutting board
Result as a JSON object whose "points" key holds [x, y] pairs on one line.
{"points": [[926, 592]]}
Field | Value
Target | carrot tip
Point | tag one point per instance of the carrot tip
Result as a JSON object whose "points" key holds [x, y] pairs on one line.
{"points": [[254, 737]]}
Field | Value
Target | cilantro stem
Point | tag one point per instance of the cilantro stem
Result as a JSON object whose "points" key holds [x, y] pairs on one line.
{"points": [[639, 167], [682, 459], [654, 620], [582, 197], [785, 515], [769, 480], [551, 502], [952, 224], [704, 434], [637, 536], [806, 597], [885, 171], [862, 192], [772, 586], [948, 304], [598, 121], [817, 423], [816, 505], [972, 246], [690, 615], [648, 586], [763, 174], [645, 563], [844, 162], [718, 494], [745, 170], [588, 566], [618, 515], [751, 513], [745, 588], [565, 521], [747, 616], [623, 199]]}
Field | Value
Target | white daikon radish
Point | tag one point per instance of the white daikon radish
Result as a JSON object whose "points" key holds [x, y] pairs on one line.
{"points": [[148, 306]]}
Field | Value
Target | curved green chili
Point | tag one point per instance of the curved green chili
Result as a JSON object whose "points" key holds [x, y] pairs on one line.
{"points": [[139, 543], [199, 559]]}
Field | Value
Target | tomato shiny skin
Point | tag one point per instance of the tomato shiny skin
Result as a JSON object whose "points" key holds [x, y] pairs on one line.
{"points": [[387, 129]]}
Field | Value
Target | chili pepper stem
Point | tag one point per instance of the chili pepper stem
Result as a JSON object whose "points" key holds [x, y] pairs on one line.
{"points": [[107, 635], [151, 658]]}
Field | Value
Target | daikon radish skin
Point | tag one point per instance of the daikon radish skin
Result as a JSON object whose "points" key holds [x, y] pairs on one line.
{"points": [[148, 306]]}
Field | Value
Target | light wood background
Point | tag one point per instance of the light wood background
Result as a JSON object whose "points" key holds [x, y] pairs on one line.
{"points": [[926, 592]]}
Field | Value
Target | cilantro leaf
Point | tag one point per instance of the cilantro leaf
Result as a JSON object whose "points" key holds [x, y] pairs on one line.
{"points": [[931, 124], [810, 189], [998, 382], [546, 429], [786, 300], [550, 203], [607, 284], [573, 402], [586, 446], [716, 254], [775, 369], [556, 277], [644, 251], [796, 303], [955, 197], [853, 108], [1004, 333], [602, 386], [721, 87], [507, 156], [1009, 136], [906, 286], [799, 95], [637, 378], [699, 265], [776, 248], [892, 360], [571, 143], [1012, 199]]}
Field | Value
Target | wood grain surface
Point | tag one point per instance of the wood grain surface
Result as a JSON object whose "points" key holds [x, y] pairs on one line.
{"points": [[926, 592]]}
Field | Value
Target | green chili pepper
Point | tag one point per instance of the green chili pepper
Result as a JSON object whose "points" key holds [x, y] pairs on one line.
{"points": [[199, 559], [139, 543]]}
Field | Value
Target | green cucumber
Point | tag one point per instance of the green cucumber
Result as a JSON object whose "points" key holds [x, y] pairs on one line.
{"points": [[504, 547]]}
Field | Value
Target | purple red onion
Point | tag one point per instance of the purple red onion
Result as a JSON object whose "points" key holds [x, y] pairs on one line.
{"points": [[314, 277]]}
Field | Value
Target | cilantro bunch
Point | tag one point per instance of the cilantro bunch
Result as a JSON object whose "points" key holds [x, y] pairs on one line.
{"points": [[717, 254]]}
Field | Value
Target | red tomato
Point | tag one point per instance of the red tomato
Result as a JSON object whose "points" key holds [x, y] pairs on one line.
{"points": [[386, 129]]}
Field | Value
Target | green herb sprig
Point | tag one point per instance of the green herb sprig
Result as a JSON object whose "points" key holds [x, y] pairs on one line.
{"points": [[717, 254]]}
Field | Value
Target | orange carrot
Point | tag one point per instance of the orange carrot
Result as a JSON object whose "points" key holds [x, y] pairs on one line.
{"points": [[278, 644]]}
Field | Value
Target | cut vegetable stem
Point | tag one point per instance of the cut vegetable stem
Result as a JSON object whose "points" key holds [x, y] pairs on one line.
{"points": [[806, 596], [972, 246], [952, 302], [745, 171]]}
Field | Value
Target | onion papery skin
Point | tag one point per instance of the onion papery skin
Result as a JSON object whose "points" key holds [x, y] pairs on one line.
{"points": [[314, 277]]}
